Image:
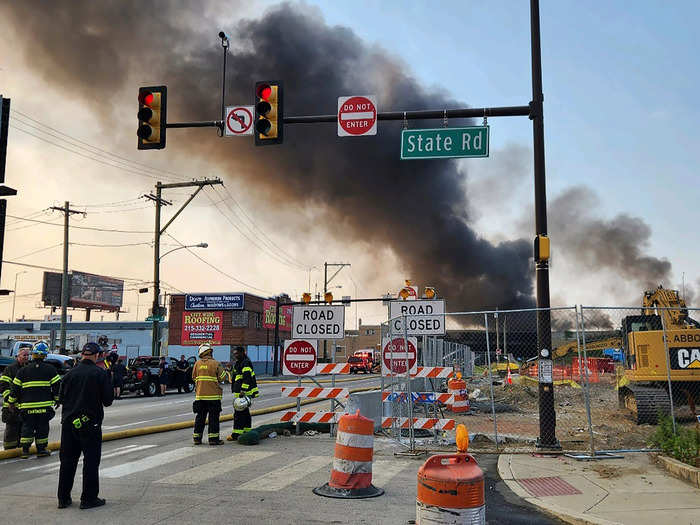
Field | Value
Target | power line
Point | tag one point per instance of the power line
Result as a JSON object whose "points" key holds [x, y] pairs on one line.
{"points": [[111, 230], [39, 267], [39, 251], [110, 245], [219, 270]]}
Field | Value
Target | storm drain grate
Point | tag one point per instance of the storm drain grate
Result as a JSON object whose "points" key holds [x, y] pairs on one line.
{"points": [[554, 486]]}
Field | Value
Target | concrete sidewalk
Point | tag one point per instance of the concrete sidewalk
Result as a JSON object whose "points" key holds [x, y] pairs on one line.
{"points": [[632, 490]]}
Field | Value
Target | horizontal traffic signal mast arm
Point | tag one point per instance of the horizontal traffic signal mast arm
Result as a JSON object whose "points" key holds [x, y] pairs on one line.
{"points": [[507, 111]]}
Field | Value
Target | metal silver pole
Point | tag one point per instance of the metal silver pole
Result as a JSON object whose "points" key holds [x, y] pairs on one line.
{"points": [[298, 426], [409, 397], [488, 359], [668, 370], [586, 384]]}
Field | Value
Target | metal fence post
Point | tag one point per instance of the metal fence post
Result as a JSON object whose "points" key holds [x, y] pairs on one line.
{"points": [[668, 370], [409, 396], [586, 384], [488, 360]]}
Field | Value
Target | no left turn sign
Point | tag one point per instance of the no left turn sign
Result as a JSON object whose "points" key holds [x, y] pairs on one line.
{"points": [[239, 120], [357, 116]]}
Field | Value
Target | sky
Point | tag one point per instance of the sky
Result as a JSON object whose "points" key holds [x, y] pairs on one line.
{"points": [[620, 118]]}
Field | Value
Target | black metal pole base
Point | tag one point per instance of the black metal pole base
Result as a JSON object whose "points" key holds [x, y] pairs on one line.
{"points": [[331, 492], [553, 446]]}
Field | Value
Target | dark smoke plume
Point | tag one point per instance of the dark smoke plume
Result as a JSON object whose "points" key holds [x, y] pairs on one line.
{"points": [[418, 209]]}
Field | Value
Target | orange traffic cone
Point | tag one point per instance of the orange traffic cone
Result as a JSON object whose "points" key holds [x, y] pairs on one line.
{"points": [[509, 379]]}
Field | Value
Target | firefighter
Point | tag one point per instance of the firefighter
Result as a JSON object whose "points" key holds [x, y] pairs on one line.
{"points": [[10, 415], [35, 392], [244, 387], [207, 373]]}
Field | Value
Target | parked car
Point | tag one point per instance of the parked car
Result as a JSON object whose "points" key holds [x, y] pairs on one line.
{"points": [[142, 375], [63, 363], [360, 364]]}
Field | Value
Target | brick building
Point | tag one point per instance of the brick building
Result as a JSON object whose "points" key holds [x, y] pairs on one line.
{"points": [[367, 336]]}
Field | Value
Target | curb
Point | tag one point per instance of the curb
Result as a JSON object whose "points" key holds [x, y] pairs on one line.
{"points": [[156, 429], [566, 515], [677, 469]]}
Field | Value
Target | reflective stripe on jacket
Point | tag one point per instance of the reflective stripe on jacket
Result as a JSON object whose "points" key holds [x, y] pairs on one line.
{"points": [[207, 373], [243, 379], [36, 385]]}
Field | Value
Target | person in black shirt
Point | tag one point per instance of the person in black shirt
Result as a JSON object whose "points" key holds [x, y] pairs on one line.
{"points": [[163, 373], [85, 390], [181, 371], [118, 371]]}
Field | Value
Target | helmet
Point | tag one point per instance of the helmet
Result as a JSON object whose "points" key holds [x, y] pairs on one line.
{"points": [[40, 349], [241, 403], [204, 348]]}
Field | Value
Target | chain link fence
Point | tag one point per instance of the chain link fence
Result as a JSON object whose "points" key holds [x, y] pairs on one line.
{"points": [[615, 372]]}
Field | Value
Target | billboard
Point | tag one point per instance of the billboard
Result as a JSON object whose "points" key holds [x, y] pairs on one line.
{"points": [[269, 316], [85, 290], [230, 301], [202, 327]]}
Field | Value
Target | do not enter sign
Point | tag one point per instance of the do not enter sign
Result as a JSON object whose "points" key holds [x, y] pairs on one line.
{"points": [[299, 358], [394, 356], [357, 116]]}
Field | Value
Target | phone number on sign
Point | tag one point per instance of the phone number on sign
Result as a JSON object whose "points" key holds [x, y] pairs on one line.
{"points": [[201, 328]]}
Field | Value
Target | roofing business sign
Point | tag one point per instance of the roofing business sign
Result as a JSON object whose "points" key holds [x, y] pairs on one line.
{"points": [[230, 301], [202, 327]]}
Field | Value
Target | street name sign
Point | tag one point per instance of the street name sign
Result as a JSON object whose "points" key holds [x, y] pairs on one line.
{"points": [[318, 322], [357, 116], [445, 143], [424, 317], [299, 358], [239, 120], [394, 356]]}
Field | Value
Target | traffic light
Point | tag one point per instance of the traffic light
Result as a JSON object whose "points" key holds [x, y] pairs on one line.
{"points": [[153, 103], [268, 113], [541, 248]]}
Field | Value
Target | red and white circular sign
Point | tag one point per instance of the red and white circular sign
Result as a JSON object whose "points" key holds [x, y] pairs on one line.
{"points": [[357, 116], [299, 358], [239, 121], [394, 356]]}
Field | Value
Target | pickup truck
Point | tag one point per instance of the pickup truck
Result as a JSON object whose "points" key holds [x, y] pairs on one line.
{"points": [[9, 355], [142, 375]]}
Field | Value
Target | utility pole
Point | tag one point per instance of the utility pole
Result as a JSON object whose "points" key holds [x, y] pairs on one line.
{"points": [[326, 282], [156, 313], [4, 190], [67, 212]]}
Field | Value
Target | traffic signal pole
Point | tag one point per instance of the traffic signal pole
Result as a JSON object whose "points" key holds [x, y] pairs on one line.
{"points": [[158, 232]]}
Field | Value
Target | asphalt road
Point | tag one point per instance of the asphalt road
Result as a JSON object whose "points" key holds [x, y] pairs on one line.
{"points": [[134, 411]]}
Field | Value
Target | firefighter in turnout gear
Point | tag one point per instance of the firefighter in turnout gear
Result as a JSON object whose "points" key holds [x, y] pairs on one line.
{"points": [[243, 385], [35, 392], [10, 416], [207, 373]]}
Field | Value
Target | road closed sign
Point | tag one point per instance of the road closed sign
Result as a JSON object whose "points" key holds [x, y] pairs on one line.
{"points": [[422, 317], [299, 358], [395, 356], [357, 116], [318, 322]]}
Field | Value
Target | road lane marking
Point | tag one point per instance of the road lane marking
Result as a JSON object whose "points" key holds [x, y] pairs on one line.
{"points": [[285, 476], [150, 462], [213, 469], [384, 470], [117, 451]]}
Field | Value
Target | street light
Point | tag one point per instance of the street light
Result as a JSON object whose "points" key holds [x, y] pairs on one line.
{"points": [[14, 295], [200, 245]]}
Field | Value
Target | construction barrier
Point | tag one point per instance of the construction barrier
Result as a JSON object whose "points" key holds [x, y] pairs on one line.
{"points": [[325, 393], [450, 490], [331, 368], [458, 389], [351, 475], [433, 371], [419, 397], [419, 422], [311, 417]]}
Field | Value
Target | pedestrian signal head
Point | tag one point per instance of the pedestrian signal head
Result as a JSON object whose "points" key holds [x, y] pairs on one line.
{"points": [[205, 349]]}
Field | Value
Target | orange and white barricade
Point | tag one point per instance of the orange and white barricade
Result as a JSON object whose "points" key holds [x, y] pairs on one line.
{"points": [[450, 490], [419, 422], [433, 371], [325, 393], [351, 475], [458, 388], [331, 368], [311, 417]]}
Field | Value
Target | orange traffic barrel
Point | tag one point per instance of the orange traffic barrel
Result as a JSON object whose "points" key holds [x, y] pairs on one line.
{"points": [[450, 490], [351, 475], [458, 388]]}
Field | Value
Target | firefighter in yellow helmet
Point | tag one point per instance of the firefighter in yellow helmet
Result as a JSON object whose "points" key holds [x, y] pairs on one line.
{"points": [[207, 373]]}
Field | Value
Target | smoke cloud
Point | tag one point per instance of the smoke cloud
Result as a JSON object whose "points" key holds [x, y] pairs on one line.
{"points": [[418, 209]]}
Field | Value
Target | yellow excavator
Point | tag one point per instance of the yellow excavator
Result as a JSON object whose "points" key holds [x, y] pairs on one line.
{"points": [[598, 344], [644, 386]]}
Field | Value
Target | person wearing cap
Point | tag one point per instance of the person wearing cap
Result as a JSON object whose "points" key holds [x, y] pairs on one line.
{"points": [[35, 393], [207, 373], [85, 391], [243, 385], [10, 416]]}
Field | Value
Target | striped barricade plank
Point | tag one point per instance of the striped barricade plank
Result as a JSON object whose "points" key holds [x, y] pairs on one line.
{"points": [[311, 417], [342, 368], [326, 393], [434, 371], [419, 422], [419, 397]]}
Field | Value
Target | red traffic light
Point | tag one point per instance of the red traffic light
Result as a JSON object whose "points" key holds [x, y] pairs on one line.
{"points": [[264, 91], [146, 98]]}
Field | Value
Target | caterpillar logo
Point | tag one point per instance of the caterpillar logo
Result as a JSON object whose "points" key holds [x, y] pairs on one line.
{"points": [[688, 358]]}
